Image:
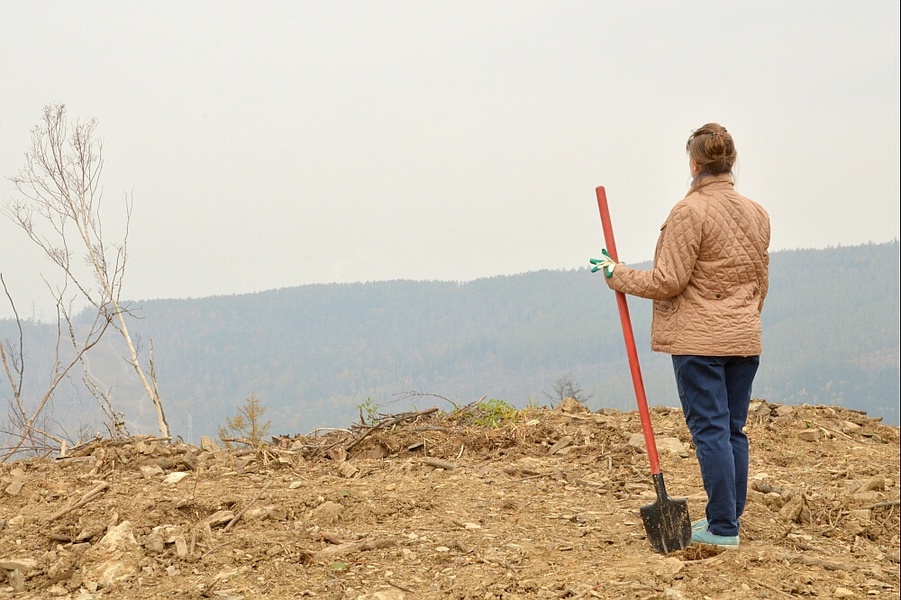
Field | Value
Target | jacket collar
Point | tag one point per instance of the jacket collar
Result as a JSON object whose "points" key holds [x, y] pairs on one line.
{"points": [[714, 182]]}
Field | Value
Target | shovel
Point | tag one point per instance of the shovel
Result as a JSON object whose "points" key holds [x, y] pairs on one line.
{"points": [[666, 521]]}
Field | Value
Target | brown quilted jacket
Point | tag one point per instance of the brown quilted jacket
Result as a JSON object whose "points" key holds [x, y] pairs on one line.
{"points": [[710, 274]]}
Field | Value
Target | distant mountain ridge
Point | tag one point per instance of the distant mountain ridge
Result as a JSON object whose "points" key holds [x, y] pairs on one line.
{"points": [[315, 355]]}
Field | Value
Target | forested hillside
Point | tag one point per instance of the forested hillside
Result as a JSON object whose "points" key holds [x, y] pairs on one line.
{"points": [[315, 355]]}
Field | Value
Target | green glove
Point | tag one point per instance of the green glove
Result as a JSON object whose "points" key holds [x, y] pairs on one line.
{"points": [[606, 263]]}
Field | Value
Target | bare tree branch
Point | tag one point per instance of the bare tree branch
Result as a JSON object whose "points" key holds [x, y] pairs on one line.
{"points": [[58, 208]]}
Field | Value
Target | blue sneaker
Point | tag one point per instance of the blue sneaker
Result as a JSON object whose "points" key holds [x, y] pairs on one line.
{"points": [[703, 536], [699, 525]]}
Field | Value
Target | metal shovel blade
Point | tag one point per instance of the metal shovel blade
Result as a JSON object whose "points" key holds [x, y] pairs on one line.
{"points": [[666, 522]]}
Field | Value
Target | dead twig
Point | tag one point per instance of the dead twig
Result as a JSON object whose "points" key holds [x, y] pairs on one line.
{"points": [[439, 464], [91, 495], [399, 586], [341, 549], [771, 588], [817, 562], [215, 548], [249, 504], [389, 423]]}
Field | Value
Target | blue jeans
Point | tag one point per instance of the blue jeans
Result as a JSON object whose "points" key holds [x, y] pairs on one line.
{"points": [[715, 392]]}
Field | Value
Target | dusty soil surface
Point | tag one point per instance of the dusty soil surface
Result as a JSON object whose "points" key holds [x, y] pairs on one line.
{"points": [[472, 504]]}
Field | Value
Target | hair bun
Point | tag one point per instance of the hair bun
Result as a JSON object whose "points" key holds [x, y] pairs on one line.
{"points": [[712, 149]]}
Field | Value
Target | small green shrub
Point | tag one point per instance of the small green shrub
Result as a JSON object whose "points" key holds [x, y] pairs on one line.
{"points": [[490, 413], [369, 411]]}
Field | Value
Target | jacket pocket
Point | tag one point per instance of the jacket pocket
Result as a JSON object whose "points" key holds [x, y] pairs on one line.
{"points": [[663, 323], [665, 306]]}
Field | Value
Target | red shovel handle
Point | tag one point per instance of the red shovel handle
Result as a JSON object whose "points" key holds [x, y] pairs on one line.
{"points": [[629, 337]]}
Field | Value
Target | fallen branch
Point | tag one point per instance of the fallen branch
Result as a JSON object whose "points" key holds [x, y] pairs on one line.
{"points": [[439, 464], [389, 423], [817, 562], [771, 588], [91, 495], [600, 485], [399, 586], [333, 552], [215, 548], [837, 432], [249, 504]]}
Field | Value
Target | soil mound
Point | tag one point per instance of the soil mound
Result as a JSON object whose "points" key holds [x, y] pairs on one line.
{"points": [[482, 503]]}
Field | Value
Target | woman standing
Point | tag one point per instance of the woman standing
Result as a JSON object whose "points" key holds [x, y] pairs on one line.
{"points": [[708, 284]]}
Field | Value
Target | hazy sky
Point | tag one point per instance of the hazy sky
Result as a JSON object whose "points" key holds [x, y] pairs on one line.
{"points": [[274, 144]]}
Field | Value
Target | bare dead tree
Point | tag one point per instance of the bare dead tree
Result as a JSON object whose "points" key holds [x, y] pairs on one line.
{"points": [[26, 420], [59, 209], [115, 424], [565, 388]]}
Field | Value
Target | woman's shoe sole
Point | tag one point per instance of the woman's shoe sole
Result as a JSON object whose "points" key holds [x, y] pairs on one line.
{"points": [[725, 542]]}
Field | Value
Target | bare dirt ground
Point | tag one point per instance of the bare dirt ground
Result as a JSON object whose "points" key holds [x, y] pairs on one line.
{"points": [[539, 503]]}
